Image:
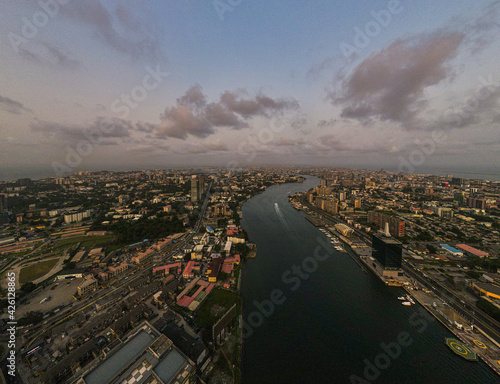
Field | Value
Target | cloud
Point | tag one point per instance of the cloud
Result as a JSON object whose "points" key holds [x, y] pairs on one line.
{"points": [[194, 116], [335, 144], [135, 40], [101, 127], [197, 149], [261, 105], [13, 106], [48, 54], [390, 84]]}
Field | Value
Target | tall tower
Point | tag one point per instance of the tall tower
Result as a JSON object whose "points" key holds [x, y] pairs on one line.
{"points": [[194, 189], [3, 203]]}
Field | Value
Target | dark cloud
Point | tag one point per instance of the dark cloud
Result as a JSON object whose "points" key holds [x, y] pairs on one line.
{"points": [[335, 143], [327, 123], [261, 105], [193, 115], [390, 84], [135, 41], [13, 106], [101, 127], [48, 54]]}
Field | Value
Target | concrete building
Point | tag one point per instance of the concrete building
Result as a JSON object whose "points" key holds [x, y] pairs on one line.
{"points": [[89, 284], [396, 225], [344, 230], [145, 356], [388, 253], [73, 217]]}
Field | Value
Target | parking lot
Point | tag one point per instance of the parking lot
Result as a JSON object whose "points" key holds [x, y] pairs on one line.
{"points": [[62, 294]]}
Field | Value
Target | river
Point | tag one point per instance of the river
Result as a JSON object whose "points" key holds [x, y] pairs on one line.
{"points": [[313, 316]]}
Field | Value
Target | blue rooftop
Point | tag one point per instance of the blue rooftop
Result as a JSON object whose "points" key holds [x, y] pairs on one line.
{"points": [[450, 248], [169, 366], [120, 359]]}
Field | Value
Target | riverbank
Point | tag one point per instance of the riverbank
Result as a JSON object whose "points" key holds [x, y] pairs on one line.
{"points": [[472, 337]]}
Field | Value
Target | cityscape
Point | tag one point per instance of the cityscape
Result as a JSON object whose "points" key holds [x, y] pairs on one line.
{"points": [[238, 192]]}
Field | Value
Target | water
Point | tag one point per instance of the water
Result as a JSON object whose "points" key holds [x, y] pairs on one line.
{"points": [[336, 318]]}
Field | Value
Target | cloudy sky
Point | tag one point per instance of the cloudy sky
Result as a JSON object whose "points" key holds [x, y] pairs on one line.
{"points": [[92, 84]]}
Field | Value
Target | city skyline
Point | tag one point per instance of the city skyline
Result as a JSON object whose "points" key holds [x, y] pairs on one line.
{"points": [[394, 84]]}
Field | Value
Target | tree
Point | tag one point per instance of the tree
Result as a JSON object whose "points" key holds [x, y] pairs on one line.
{"points": [[28, 287]]}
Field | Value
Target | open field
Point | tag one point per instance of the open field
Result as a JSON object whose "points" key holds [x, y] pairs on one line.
{"points": [[36, 271], [216, 305], [86, 241]]}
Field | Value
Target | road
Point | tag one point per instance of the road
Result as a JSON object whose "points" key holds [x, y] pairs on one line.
{"points": [[480, 319], [140, 271], [483, 321]]}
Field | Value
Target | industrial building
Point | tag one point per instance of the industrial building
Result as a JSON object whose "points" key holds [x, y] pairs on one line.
{"points": [[146, 356], [487, 289]]}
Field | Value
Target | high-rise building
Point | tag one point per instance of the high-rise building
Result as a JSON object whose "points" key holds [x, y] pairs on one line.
{"points": [[356, 202], [459, 198], [3, 203], [396, 225], [195, 193], [197, 187], [476, 203], [4, 214], [387, 251]]}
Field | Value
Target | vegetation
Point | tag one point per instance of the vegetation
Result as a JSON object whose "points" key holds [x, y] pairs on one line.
{"points": [[152, 228], [30, 318], [215, 306], [36, 271], [488, 308]]}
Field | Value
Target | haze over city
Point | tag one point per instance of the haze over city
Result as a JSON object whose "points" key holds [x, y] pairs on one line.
{"points": [[239, 84], [249, 191]]}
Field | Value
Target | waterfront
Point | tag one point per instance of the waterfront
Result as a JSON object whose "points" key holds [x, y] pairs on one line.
{"points": [[337, 317]]}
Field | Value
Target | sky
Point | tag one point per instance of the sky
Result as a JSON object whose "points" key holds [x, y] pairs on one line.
{"points": [[123, 85]]}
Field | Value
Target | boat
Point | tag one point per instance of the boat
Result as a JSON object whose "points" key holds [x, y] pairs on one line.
{"points": [[402, 298], [461, 349], [407, 303]]}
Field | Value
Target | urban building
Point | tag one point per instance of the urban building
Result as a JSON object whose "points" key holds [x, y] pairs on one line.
{"points": [[388, 253], [146, 356], [476, 203], [396, 225]]}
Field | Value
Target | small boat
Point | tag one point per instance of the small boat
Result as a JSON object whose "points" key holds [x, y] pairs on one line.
{"points": [[402, 298], [407, 303]]}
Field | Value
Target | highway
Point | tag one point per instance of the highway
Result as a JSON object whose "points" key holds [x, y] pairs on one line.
{"points": [[483, 321]]}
